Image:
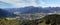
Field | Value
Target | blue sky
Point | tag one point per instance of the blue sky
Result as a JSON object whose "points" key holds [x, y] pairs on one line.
{"points": [[24, 3]]}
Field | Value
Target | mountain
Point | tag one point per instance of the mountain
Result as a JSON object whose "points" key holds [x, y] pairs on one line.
{"points": [[31, 9], [9, 12], [5, 13]]}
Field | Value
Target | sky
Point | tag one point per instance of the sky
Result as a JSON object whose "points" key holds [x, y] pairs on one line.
{"points": [[25, 3]]}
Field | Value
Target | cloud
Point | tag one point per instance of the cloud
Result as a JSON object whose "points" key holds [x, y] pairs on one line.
{"points": [[4, 5], [23, 3], [51, 5]]}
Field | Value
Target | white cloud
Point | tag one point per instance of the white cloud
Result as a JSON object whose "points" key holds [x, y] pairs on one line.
{"points": [[51, 5], [21, 3]]}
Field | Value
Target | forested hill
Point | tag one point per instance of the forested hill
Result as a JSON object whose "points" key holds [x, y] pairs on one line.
{"points": [[5, 13]]}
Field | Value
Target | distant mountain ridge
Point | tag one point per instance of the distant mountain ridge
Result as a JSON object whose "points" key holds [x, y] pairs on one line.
{"points": [[9, 12], [32, 9]]}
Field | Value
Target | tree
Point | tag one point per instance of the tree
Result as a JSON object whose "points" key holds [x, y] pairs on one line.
{"points": [[54, 18]]}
